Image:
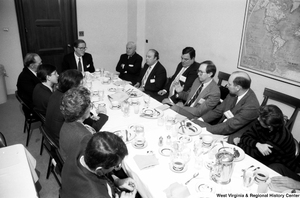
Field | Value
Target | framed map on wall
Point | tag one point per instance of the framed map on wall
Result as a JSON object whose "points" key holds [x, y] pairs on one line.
{"points": [[270, 44]]}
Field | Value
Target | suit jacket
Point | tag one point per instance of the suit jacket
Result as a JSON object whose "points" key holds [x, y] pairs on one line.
{"points": [[245, 112], [190, 74], [71, 136], [207, 99], [26, 84], [156, 79], [69, 62], [132, 67], [40, 98]]}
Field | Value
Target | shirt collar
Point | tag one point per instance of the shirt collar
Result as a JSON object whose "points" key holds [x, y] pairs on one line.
{"points": [[44, 83], [32, 71], [241, 96]]}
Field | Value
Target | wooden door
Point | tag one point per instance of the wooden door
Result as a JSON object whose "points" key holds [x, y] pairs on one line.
{"points": [[47, 27]]}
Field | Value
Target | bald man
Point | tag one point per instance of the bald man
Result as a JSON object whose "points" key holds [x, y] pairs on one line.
{"points": [[236, 113], [130, 64]]}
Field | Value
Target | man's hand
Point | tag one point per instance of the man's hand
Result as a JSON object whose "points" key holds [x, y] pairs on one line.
{"points": [[280, 181], [167, 101], [264, 148], [127, 184], [180, 104], [178, 88], [236, 140], [162, 92], [127, 194], [137, 85]]}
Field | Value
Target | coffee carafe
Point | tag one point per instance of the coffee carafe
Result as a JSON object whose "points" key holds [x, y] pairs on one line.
{"points": [[222, 170]]}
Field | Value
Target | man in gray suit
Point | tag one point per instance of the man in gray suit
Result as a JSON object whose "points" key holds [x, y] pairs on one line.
{"points": [[203, 96], [235, 114]]}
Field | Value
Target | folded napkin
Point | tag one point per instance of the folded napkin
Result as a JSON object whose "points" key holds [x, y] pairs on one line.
{"points": [[118, 96], [180, 118], [163, 107], [177, 190], [145, 161]]}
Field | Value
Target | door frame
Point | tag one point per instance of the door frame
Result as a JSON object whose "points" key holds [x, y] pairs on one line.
{"points": [[22, 29]]}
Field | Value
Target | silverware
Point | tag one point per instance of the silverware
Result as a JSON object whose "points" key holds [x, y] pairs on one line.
{"points": [[182, 127], [126, 134], [211, 148], [194, 176]]}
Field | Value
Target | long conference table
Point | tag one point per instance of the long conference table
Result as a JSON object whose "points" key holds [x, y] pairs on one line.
{"points": [[155, 180]]}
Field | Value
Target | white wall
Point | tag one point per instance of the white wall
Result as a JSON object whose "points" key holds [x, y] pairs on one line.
{"points": [[10, 47], [105, 25]]}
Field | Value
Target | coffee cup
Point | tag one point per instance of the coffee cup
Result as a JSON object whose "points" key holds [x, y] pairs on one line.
{"points": [[261, 176]]}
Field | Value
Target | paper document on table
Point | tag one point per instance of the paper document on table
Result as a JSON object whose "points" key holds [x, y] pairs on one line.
{"points": [[163, 107], [118, 96], [145, 161]]}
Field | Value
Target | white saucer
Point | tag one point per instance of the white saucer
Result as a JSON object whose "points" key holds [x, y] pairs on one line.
{"points": [[176, 171], [204, 187], [165, 151], [138, 147], [115, 107], [184, 138], [112, 89]]}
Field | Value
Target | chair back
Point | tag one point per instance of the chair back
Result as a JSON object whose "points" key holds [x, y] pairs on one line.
{"points": [[222, 76], [285, 99], [2, 141]]}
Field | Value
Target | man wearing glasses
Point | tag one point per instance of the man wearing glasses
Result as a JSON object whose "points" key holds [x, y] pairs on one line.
{"points": [[203, 96], [79, 60]]}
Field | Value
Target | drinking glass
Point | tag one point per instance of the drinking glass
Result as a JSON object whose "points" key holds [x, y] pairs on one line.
{"points": [[169, 121], [101, 108], [146, 100], [101, 94], [126, 108], [136, 108], [198, 161], [139, 140], [248, 179]]}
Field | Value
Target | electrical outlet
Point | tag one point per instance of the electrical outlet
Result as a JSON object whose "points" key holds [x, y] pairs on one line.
{"points": [[81, 33]]}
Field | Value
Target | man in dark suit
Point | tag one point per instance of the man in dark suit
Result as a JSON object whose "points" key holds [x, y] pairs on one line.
{"points": [[185, 74], [236, 113], [153, 75], [27, 79], [130, 64], [203, 96], [78, 59]]}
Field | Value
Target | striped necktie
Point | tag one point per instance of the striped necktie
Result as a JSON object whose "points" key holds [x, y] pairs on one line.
{"points": [[79, 65], [146, 76], [195, 96]]}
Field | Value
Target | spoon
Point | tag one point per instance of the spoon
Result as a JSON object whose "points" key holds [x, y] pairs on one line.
{"points": [[222, 143], [194, 176]]}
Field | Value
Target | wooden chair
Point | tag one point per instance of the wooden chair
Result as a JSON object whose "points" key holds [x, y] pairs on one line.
{"points": [[55, 161], [289, 101], [30, 117], [2, 141], [43, 121], [222, 76]]}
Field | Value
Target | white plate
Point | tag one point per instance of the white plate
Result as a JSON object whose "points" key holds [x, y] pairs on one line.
{"points": [[122, 134], [112, 89], [184, 138], [119, 82], [135, 94], [139, 147], [189, 127], [204, 187], [232, 149], [165, 151], [151, 113]]}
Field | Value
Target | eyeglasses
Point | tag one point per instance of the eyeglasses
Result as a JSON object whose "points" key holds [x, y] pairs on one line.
{"points": [[82, 48], [201, 72], [118, 167]]}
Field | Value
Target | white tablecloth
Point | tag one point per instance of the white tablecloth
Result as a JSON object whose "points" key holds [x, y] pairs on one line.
{"points": [[152, 181], [17, 174]]}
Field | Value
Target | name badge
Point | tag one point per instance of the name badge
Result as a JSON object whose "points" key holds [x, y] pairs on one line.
{"points": [[130, 65], [182, 78], [201, 101], [152, 80]]}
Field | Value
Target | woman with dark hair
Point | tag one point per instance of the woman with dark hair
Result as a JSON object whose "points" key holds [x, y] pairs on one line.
{"points": [[268, 140], [42, 91], [88, 172]]}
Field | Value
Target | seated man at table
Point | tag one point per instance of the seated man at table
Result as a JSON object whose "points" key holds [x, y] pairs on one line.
{"points": [[153, 75], [130, 64], [236, 113], [88, 171], [202, 97], [78, 59], [184, 76], [27, 79], [268, 140], [42, 91]]}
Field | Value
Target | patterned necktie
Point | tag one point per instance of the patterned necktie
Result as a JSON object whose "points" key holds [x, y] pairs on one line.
{"points": [[79, 65], [146, 76], [195, 96]]}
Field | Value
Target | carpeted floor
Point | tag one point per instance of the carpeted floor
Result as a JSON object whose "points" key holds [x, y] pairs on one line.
{"points": [[11, 125]]}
